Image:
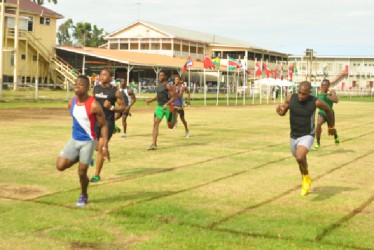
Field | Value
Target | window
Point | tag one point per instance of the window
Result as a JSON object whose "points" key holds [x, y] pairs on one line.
{"points": [[34, 58], [45, 20], [124, 46], [30, 24], [23, 56]]}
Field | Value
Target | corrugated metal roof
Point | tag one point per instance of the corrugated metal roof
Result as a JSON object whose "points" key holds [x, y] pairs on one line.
{"points": [[28, 6], [134, 58], [185, 34]]}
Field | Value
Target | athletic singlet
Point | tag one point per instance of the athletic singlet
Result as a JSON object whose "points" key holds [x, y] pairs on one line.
{"points": [[324, 99], [101, 94], [126, 96], [302, 116], [162, 94], [83, 120], [178, 101]]}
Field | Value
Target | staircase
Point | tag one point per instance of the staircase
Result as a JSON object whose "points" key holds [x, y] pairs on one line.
{"points": [[61, 71], [339, 77]]}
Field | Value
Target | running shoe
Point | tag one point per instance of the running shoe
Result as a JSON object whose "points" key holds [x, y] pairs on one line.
{"points": [[124, 135], [95, 178], [152, 147], [337, 141], [82, 201], [305, 185], [187, 133], [316, 146]]}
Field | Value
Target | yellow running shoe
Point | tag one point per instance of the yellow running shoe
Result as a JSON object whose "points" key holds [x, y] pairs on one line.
{"points": [[305, 185], [316, 146]]}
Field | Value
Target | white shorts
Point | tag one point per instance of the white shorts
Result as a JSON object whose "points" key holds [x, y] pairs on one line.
{"points": [[306, 141]]}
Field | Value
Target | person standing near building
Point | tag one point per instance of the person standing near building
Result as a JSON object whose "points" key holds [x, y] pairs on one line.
{"points": [[302, 108], [165, 96], [86, 112], [129, 99], [328, 96], [178, 103], [106, 96]]}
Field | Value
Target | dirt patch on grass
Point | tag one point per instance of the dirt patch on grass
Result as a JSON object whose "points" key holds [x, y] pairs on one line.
{"points": [[21, 192]]}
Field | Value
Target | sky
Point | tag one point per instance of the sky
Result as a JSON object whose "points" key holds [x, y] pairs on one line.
{"points": [[329, 27]]}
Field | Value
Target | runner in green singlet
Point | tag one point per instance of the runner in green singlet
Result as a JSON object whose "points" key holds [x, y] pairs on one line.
{"points": [[328, 96]]}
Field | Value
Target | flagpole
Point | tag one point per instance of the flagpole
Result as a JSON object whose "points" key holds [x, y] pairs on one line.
{"points": [[204, 88], [218, 85], [227, 83], [254, 80], [244, 78], [261, 83]]}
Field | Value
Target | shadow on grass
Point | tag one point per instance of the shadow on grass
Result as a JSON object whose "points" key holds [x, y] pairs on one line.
{"points": [[324, 193], [137, 172], [130, 196]]}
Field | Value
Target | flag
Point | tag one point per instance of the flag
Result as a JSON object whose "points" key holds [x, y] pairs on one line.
{"points": [[294, 69], [275, 74], [188, 64], [290, 72], [267, 70], [258, 70], [233, 64], [208, 64], [248, 71], [217, 62]]}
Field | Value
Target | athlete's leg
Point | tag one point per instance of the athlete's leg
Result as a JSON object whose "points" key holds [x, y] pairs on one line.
{"points": [[301, 152], [83, 178], [320, 122], [124, 123], [64, 163], [183, 120], [68, 156], [156, 125]]}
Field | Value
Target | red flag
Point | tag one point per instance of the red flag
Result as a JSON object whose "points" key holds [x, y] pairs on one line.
{"points": [[248, 71], [290, 72], [267, 70], [275, 74], [208, 64], [258, 70]]}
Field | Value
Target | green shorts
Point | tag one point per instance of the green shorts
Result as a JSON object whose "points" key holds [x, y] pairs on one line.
{"points": [[160, 113]]}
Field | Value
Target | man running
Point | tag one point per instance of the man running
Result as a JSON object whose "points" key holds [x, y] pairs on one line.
{"points": [[106, 96], [328, 96], [165, 96], [178, 103], [129, 99], [302, 108], [86, 112]]}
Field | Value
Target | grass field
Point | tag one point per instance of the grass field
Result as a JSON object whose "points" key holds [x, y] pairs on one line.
{"points": [[232, 185]]}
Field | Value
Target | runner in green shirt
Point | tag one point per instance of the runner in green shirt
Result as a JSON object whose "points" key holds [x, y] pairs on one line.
{"points": [[328, 96]]}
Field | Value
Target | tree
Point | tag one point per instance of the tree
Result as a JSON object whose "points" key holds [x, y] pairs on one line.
{"points": [[41, 2], [82, 33], [97, 37], [64, 33]]}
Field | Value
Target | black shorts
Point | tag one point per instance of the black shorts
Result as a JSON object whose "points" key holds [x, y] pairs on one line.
{"points": [[110, 124], [180, 110], [323, 115]]}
